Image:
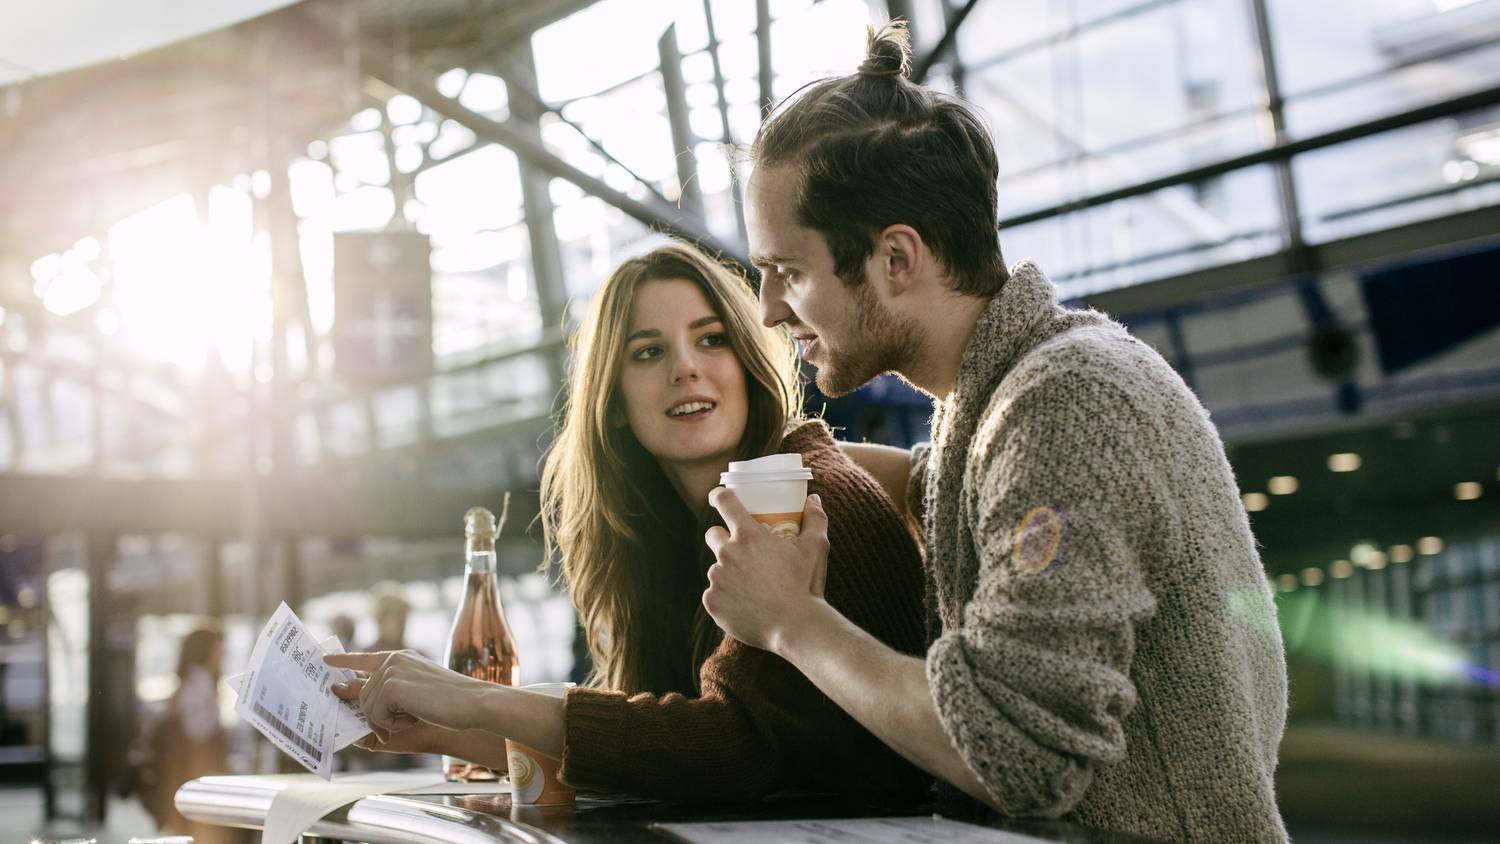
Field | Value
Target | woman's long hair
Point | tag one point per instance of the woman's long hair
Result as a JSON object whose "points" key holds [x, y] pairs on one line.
{"points": [[630, 549]]}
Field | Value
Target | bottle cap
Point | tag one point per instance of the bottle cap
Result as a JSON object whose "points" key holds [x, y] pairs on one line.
{"points": [[479, 522]]}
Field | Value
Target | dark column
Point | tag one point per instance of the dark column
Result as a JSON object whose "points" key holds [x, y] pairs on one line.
{"points": [[99, 554], [49, 789], [536, 199], [955, 66], [900, 9], [763, 50], [213, 577], [1275, 106], [713, 52], [677, 117]]}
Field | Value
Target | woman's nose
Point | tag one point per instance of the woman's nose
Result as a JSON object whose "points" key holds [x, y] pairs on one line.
{"points": [[684, 367]]}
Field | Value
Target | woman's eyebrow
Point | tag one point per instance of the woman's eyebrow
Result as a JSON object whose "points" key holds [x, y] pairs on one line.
{"points": [[654, 332]]}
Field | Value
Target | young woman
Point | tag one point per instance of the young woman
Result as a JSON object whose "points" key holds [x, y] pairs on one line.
{"points": [[189, 742], [673, 377]]}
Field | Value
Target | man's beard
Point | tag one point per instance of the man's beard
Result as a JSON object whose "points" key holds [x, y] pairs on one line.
{"points": [[878, 342]]}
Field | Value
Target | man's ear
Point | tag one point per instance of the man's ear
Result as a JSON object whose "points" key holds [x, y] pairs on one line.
{"points": [[904, 258]]}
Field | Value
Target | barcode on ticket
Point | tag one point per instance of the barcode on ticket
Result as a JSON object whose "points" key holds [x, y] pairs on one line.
{"points": [[287, 731]]}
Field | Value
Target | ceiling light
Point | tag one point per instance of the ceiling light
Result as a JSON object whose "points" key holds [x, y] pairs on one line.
{"points": [[1346, 461], [1287, 583], [1400, 553], [1312, 576], [403, 109], [1255, 501], [1429, 545], [1467, 491], [1341, 568], [1282, 485]]}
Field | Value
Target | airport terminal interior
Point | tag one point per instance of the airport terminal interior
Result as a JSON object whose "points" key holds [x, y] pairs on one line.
{"points": [[286, 288]]}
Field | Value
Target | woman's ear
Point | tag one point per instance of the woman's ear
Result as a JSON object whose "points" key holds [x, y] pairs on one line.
{"points": [[617, 418]]}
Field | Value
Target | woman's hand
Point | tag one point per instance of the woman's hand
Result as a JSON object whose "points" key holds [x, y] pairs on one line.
{"points": [[418, 738], [400, 689]]}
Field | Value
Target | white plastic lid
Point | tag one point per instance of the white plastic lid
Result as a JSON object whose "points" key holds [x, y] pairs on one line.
{"points": [[789, 462], [732, 478]]}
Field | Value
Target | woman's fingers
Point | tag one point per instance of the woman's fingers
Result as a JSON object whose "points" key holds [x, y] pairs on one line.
{"points": [[349, 690], [358, 661]]}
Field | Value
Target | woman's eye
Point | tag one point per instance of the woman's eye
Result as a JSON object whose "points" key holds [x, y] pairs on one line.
{"points": [[714, 340], [646, 353]]}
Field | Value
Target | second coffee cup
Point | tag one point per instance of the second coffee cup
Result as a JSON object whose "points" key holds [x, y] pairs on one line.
{"points": [[533, 775], [773, 488]]}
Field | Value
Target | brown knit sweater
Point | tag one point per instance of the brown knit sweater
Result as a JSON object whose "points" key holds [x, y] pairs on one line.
{"points": [[759, 726]]}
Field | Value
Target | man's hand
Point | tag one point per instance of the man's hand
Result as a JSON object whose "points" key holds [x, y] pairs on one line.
{"points": [[399, 689], [762, 582]]}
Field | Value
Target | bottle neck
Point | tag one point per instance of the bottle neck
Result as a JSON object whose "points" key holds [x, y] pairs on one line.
{"points": [[479, 558]]}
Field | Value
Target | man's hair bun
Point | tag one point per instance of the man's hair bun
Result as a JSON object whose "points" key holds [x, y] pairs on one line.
{"points": [[888, 51]]}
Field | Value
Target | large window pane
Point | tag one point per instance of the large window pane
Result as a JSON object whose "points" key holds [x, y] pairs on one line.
{"points": [[1096, 111], [1421, 172], [1171, 231], [1383, 57]]}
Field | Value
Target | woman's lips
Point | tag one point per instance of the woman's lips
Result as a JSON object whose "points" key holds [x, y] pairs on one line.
{"points": [[697, 416]]}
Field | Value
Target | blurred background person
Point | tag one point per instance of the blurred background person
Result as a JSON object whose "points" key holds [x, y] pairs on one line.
{"points": [[343, 627], [390, 609], [188, 740]]}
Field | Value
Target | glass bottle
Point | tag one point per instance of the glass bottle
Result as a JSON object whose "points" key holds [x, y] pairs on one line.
{"points": [[480, 644]]}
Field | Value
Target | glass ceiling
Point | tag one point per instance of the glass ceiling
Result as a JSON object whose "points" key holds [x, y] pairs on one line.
{"points": [[1083, 98]]}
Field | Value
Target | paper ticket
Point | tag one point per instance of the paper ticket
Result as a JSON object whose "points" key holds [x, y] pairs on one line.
{"points": [[285, 694], [351, 724]]}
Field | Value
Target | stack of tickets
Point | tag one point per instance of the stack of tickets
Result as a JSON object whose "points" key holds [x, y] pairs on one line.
{"points": [[286, 696]]}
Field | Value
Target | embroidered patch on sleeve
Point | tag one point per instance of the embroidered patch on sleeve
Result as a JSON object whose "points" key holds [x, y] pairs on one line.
{"points": [[1038, 540]]}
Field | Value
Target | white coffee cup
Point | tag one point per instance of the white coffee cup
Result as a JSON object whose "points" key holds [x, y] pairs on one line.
{"points": [[533, 775], [773, 488]]}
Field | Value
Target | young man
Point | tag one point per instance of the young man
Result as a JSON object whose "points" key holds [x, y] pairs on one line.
{"points": [[1105, 646]]}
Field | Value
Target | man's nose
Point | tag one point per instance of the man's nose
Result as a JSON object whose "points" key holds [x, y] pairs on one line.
{"points": [[773, 308]]}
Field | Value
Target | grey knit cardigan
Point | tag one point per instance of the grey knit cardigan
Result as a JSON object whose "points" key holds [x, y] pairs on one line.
{"points": [[1106, 647]]}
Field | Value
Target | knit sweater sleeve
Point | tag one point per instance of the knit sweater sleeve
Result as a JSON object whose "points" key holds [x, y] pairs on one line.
{"points": [[759, 725], [1033, 684], [678, 747]]}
